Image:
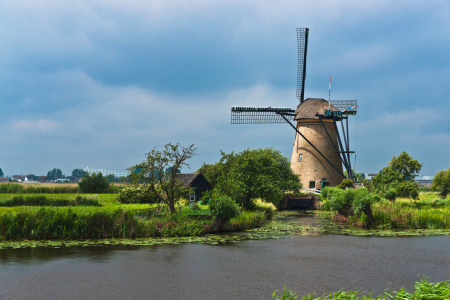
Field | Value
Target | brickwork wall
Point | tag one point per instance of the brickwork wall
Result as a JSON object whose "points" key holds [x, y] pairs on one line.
{"points": [[313, 166]]}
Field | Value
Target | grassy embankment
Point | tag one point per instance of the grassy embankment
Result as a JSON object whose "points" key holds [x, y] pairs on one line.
{"points": [[80, 216]]}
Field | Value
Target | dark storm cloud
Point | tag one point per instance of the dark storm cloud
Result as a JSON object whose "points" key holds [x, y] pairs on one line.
{"points": [[105, 82]]}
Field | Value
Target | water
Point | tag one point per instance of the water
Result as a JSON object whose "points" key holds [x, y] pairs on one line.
{"points": [[245, 270]]}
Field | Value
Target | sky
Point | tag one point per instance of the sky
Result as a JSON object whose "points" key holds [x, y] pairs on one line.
{"points": [[100, 83]]}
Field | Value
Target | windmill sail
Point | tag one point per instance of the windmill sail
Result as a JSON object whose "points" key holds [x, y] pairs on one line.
{"points": [[302, 41], [260, 115], [347, 107]]}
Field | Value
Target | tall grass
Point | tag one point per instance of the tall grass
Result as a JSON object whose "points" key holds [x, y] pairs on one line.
{"points": [[32, 223], [412, 215], [48, 188], [42, 200]]}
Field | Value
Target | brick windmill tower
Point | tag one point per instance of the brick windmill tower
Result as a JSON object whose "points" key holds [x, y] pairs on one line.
{"points": [[320, 148]]}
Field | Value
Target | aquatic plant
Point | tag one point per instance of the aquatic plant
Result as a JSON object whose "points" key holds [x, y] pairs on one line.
{"points": [[423, 289]]}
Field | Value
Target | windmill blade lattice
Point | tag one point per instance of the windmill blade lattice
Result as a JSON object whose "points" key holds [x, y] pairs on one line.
{"points": [[342, 105], [302, 41], [260, 115]]}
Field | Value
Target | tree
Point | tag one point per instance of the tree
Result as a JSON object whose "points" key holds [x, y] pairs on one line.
{"points": [[94, 183], [441, 182], [1, 172], [78, 173], [111, 178], [55, 172], [399, 174], [159, 172], [356, 176], [260, 173]]}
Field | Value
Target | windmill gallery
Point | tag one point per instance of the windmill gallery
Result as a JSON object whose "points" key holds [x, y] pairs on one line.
{"points": [[320, 148]]}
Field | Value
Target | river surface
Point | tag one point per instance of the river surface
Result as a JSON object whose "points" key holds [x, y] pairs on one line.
{"points": [[245, 270]]}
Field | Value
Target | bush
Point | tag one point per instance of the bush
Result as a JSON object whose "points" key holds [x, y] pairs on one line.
{"points": [[136, 194], [95, 183], [223, 207], [258, 205], [407, 189], [391, 194], [346, 183]]}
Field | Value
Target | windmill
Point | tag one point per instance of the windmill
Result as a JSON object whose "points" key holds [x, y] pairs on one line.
{"points": [[320, 147]]}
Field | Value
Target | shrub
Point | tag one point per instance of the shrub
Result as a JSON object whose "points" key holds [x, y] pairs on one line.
{"points": [[268, 208], [136, 194], [223, 207], [391, 194], [407, 189], [346, 183], [183, 202], [95, 183]]}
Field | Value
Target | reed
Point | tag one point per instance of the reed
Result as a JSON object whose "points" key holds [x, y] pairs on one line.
{"points": [[48, 188], [42, 200]]}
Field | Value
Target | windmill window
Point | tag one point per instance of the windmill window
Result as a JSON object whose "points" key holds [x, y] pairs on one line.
{"points": [[312, 184], [300, 157]]}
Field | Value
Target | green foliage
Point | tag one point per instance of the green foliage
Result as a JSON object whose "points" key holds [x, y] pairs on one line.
{"points": [[79, 173], [183, 202], [362, 200], [285, 295], [268, 208], [260, 173], [139, 193], [391, 194], [441, 182], [356, 176], [350, 202], [346, 183], [94, 183], [399, 174], [54, 174], [423, 289], [223, 207], [160, 169], [1, 172], [407, 189], [111, 178], [42, 200]]}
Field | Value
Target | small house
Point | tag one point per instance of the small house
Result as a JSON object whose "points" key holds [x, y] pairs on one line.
{"points": [[196, 181]]}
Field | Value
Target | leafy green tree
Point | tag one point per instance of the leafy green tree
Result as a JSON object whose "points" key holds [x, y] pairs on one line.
{"points": [[94, 183], [356, 176], [399, 174], [55, 172], [1, 172], [260, 173], [78, 173], [111, 178], [441, 182], [159, 172], [222, 208]]}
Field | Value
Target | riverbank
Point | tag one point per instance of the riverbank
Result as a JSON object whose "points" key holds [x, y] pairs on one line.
{"points": [[103, 218], [430, 211]]}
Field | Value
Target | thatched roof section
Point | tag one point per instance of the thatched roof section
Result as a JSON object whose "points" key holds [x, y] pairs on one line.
{"points": [[311, 106]]}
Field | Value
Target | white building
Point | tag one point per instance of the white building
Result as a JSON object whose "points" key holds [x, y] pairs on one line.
{"points": [[105, 172]]}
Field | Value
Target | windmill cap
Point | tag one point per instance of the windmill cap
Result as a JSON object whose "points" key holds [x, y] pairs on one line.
{"points": [[311, 106]]}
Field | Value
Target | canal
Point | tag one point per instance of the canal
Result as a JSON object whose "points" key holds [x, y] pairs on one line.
{"points": [[249, 269]]}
